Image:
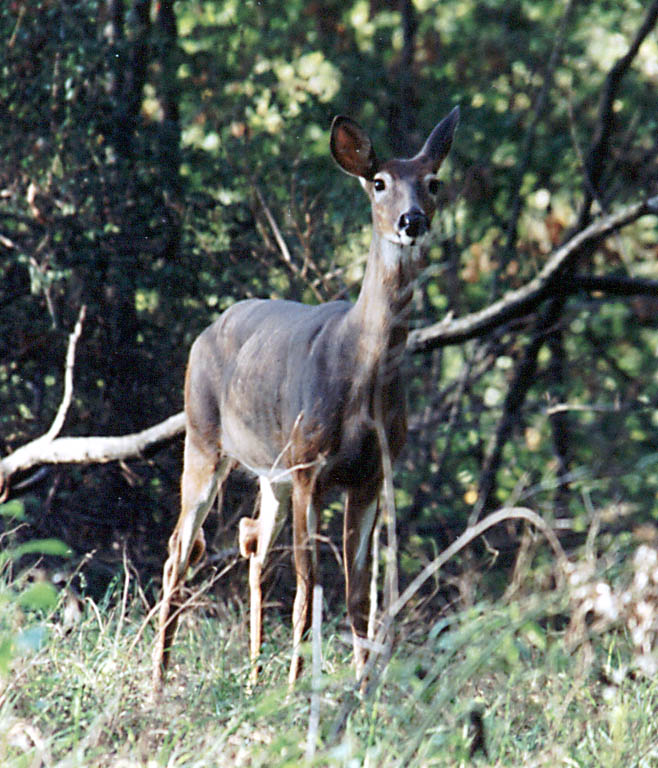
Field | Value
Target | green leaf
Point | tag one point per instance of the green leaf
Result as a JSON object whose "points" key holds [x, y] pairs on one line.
{"points": [[6, 653], [14, 508], [534, 634], [41, 596], [43, 547]]}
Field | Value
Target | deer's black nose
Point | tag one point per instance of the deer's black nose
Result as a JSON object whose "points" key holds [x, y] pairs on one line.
{"points": [[413, 223]]}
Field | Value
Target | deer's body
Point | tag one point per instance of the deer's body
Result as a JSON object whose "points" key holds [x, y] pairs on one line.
{"points": [[305, 365], [288, 391]]}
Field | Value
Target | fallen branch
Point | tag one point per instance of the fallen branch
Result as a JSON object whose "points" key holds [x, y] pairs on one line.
{"points": [[50, 449], [87, 450]]}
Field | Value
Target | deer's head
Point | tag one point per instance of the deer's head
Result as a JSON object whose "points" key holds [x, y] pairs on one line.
{"points": [[403, 193]]}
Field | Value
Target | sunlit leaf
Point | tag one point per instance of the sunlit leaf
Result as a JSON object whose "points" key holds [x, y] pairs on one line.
{"points": [[14, 508], [41, 596], [43, 547]]}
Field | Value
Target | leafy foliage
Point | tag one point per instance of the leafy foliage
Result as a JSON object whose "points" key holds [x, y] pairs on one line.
{"points": [[23, 594]]}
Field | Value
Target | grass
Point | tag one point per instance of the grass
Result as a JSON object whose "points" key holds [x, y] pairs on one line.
{"points": [[80, 696]]}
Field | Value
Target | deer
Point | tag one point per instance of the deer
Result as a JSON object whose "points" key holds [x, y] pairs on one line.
{"points": [[290, 392]]}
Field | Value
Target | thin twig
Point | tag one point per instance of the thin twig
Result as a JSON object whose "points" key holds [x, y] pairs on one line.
{"points": [[599, 148], [455, 410], [124, 599], [60, 416], [529, 139], [200, 591], [280, 240]]}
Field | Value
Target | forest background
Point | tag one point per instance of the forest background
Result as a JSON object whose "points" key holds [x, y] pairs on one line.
{"points": [[162, 160]]}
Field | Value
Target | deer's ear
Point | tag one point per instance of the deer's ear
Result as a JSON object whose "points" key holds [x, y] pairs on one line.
{"points": [[439, 141], [352, 149]]}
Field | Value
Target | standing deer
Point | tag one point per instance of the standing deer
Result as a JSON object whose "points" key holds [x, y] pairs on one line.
{"points": [[289, 391]]}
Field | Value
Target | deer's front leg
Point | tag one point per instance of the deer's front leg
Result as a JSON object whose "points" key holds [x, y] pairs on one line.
{"points": [[360, 515], [201, 481]]}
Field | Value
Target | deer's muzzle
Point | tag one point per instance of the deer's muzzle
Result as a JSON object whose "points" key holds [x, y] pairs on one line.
{"points": [[414, 223]]}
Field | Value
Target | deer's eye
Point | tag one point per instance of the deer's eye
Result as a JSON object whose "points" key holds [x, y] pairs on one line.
{"points": [[433, 186], [379, 185]]}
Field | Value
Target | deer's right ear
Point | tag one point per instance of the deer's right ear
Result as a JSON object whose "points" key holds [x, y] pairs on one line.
{"points": [[352, 149]]}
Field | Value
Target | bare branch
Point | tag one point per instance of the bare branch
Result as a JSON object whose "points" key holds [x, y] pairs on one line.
{"points": [[58, 421], [88, 450], [281, 243], [522, 379], [598, 151], [618, 285], [524, 299]]}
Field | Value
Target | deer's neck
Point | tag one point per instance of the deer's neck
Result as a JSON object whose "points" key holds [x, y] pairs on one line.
{"points": [[381, 313]]}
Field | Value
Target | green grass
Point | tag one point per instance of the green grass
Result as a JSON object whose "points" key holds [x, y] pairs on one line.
{"points": [[81, 695]]}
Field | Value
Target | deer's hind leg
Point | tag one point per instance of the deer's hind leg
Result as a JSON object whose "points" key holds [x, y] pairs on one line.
{"points": [[305, 504], [256, 538], [361, 510], [204, 472]]}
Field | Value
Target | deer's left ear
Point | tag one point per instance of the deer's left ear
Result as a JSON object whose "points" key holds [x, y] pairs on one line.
{"points": [[439, 141], [352, 149]]}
